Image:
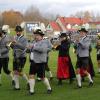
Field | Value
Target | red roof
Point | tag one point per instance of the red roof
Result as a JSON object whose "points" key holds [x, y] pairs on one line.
{"points": [[55, 26], [72, 20], [65, 21]]}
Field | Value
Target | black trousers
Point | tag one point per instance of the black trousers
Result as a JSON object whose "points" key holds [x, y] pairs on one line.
{"points": [[37, 68], [19, 63], [4, 64], [82, 62]]}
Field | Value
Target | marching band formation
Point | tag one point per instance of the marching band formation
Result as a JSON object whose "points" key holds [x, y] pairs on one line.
{"points": [[38, 51]]}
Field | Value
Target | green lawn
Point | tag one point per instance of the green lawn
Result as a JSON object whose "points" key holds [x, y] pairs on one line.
{"points": [[65, 92]]}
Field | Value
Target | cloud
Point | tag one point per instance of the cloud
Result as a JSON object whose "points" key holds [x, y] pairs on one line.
{"points": [[63, 7]]}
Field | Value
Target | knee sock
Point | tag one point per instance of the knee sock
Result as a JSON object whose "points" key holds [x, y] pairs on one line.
{"points": [[46, 82], [78, 77], [32, 85], [89, 77], [16, 79]]}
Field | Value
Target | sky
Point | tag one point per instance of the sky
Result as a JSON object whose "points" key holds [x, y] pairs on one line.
{"points": [[62, 7]]}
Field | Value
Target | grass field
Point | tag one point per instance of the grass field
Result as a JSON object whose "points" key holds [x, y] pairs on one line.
{"points": [[65, 92]]}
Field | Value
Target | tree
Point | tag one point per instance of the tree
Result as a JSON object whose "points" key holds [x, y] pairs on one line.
{"points": [[12, 18], [32, 14], [87, 16], [79, 14], [1, 19]]}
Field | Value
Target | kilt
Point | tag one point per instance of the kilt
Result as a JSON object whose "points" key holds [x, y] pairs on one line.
{"points": [[65, 69]]}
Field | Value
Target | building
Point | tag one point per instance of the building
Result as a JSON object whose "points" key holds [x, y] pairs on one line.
{"points": [[63, 24]]}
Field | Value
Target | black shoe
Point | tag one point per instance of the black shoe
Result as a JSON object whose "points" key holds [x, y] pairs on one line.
{"points": [[31, 93], [79, 86], [49, 91], [90, 84], [16, 88], [28, 86], [13, 83]]}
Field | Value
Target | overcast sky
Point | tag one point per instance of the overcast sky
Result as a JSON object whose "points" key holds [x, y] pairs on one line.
{"points": [[63, 7]]}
